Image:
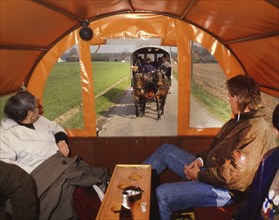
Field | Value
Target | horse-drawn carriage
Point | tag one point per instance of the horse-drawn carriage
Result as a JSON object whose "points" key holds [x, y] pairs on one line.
{"points": [[150, 78]]}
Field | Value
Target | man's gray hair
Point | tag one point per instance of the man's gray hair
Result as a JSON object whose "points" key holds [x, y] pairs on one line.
{"points": [[17, 106]]}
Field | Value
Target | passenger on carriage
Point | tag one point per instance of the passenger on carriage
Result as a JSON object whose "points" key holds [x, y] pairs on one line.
{"points": [[165, 66], [148, 66], [137, 67], [40, 147], [148, 70], [223, 174]]}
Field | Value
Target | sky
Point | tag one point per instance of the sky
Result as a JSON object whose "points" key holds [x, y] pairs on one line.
{"points": [[113, 48], [125, 45], [119, 48]]}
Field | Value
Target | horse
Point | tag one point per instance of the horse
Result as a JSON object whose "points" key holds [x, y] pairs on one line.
{"points": [[163, 83], [151, 85], [144, 88], [139, 96]]}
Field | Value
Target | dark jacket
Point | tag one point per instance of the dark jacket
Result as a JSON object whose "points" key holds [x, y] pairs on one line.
{"points": [[18, 187], [56, 179], [237, 151]]}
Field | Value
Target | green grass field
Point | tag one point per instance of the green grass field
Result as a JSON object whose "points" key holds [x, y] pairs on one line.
{"points": [[63, 89], [215, 105]]}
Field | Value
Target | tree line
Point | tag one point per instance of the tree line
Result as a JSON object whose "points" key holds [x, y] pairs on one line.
{"points": [[199, 55]]}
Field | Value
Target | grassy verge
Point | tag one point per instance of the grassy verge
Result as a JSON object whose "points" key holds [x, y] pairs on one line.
{"points": [[102, 104], [218, 107]]}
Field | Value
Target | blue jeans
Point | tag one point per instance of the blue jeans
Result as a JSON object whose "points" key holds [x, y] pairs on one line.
{"points": [[185, 194]]}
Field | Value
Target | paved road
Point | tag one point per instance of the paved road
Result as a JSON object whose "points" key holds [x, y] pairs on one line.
{"points": [[120, 120]]}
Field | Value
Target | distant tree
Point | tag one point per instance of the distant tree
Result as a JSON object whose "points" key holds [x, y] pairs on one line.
{"points": [[201, 55], [99, 57], [73, 52]]}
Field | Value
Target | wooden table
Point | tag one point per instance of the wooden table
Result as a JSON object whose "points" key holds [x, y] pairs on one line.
{"points": [[126, 175]]}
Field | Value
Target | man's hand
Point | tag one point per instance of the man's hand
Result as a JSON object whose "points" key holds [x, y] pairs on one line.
{"points": [[191, 170], [63, 148]]}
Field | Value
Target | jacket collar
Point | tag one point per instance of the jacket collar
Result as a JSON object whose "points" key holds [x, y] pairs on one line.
{"points": [[252, 114], [8, 123]]}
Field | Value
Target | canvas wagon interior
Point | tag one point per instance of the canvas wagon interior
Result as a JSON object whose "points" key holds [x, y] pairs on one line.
{"points": [[243, 36]]}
